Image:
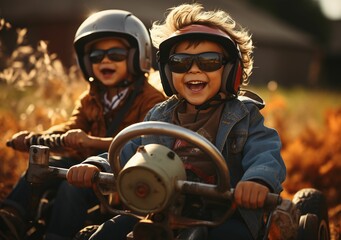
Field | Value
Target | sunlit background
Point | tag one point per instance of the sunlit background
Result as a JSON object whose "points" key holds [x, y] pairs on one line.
{"points": [[297, 73], [297, 42], [331, 8]]}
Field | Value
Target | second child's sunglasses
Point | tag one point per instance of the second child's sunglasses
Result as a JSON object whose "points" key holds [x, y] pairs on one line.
{"points": [[206, 61], [114, 54]]}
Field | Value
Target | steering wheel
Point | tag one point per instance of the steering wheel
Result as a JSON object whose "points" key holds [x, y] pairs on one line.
{"points": [[162, 128]]}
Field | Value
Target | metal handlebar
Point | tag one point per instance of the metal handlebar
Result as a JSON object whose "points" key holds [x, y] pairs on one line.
{"points": [[39, 170]]}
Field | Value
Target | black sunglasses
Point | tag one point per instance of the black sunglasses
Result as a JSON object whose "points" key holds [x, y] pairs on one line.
{"points": [[207, 61], [114, 54]]}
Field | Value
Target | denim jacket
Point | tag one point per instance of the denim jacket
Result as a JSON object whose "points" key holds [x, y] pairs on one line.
{"points": [[251, 150]]}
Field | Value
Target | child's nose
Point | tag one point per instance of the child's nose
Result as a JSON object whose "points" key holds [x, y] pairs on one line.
{"points": [[106, 58], [194, 68]]}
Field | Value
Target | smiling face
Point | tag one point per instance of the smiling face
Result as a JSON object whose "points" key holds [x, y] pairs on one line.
{"points": [[110, 72], [196, 85]]}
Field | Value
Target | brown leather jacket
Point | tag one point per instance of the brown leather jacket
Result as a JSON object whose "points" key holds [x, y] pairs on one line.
{"points": [[88, 113]]}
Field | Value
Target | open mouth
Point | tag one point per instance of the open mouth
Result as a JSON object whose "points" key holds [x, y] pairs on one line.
{"points": [[107, 71], [196, 85]]}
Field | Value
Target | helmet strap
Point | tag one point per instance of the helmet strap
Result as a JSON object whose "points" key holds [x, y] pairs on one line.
{"points": [[124, 83]]}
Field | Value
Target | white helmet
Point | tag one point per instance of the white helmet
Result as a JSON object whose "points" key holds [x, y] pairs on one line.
{"points": [[116, 23]]}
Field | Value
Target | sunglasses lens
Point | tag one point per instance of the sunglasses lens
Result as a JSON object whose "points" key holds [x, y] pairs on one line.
{"points": [[208, 62], [114, 54], [96, 56], [180, 63], [117, 54]]}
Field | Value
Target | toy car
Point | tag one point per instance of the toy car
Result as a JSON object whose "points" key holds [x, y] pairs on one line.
{"points": [[153, 187]]}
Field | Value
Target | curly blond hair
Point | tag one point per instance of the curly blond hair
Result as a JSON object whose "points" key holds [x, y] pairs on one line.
{"points": [[187, 14]]}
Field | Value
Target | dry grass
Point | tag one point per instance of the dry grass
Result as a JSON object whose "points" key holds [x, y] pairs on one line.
{"points": [[37, 92]]}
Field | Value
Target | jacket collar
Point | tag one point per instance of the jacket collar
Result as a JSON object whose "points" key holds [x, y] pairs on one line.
{"points": [[233, 112]]}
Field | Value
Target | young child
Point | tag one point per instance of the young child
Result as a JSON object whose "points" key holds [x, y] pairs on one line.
{"points": [[203, 59], [114, 53]]}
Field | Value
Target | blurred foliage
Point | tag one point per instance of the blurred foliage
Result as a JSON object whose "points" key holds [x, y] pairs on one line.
{"points": [[305, 15], [35, 82], [36, 92]]}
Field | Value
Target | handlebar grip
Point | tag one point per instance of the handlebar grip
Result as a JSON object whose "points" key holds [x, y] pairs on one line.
{"points": [[9, 143], [272, 201], [51, 141]]}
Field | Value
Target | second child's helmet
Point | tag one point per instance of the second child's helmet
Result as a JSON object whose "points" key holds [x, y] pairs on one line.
{"points": [[233, 70], [120, 24]]}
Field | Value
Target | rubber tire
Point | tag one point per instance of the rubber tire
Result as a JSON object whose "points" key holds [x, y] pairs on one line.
{"points": [[312, 201], [308, 227], [86, 232]]}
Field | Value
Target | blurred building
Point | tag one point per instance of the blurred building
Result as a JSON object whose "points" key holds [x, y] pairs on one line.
{"points": [[333, 59], [282, 53]]}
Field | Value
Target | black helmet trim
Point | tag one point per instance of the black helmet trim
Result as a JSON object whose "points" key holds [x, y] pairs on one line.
{"points": [[232, 74]]}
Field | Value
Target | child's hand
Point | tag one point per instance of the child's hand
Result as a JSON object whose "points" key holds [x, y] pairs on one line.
{"points": [[81, 175], [76, 138], [250, 194]]}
